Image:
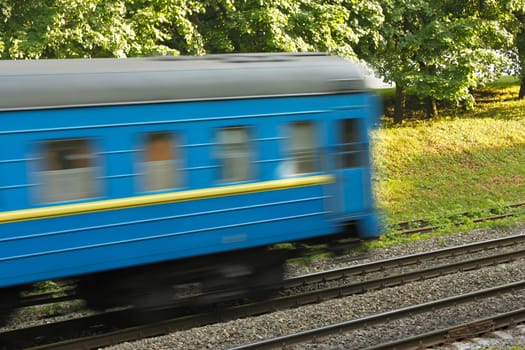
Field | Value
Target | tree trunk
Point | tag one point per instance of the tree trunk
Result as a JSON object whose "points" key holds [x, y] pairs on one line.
{"points": [[520, 45], [400, 104], [431, 106]]}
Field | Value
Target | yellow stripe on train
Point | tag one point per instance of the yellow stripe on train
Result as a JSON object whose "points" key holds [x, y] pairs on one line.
{"points": [[163, 198]]}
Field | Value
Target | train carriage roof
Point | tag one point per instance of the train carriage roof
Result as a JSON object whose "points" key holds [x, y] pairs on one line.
{"points": [[36, 84]]}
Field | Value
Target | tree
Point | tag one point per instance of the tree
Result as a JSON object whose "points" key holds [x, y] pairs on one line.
{"points": [[60, 28], [520, 48], [279, 25], [166, 26], [510, 17], [518, 10], [97, 28], [21, 30], [437, 50]]}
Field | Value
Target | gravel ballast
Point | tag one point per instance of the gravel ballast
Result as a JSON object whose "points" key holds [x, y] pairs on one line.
{"points": [[229, 334]]}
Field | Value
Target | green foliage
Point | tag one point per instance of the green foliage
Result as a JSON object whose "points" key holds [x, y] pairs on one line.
{"points": [[440, 49], [45, 287], [280, 25], [98, 28], [91, 28], [519, 347], [166, 26]]}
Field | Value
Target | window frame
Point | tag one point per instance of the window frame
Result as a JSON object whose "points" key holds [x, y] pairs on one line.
{"points": [[174, 163], [49, 180], [246, 153], [352, 146], [309, 154]]}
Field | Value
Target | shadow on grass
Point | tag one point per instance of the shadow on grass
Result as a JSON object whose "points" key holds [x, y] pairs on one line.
{"points": [[498, 102]]}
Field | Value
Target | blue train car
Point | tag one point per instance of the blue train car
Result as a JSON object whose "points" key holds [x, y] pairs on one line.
{"points": [[140, 174]]}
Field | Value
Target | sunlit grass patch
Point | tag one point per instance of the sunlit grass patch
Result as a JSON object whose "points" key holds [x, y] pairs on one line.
{"points": [[435, 168]]}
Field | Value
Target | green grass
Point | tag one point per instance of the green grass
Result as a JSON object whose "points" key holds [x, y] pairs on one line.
{"points": [[462, 162]]}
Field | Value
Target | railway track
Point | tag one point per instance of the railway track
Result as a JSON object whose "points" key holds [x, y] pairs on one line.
{"points": [[428, 339], [131, 328], [465, 330], [384, 265], [423, 225]]}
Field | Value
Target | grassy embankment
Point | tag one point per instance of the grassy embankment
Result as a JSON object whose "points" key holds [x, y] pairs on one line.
{"points": [[471, 162]]}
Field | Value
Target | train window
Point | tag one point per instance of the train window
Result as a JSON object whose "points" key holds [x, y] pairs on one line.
{"points": [[69, 171], [159, 166], [234, 154], [352, 150], [302, 148]]}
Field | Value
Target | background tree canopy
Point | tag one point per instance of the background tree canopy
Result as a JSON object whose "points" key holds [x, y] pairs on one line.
{"points": [[436, 50]]}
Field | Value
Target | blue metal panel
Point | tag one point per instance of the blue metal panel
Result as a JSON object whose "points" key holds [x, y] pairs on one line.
{"points": [[84, 243], [198, 150], [351, 195], [14, 179], [352, 192], [157, 116], [269, 150], [119, 174], [50, 248]]}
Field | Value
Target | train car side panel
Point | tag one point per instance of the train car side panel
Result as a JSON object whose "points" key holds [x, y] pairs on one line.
{"points": [[117, 238]]}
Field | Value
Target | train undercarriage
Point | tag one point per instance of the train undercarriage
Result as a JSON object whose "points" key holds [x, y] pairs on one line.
{"points": [[198, 281]]}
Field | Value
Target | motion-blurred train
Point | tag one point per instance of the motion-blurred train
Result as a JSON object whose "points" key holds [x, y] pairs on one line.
{"points": [[133, 177]]}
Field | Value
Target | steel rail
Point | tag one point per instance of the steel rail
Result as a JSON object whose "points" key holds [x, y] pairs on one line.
{"points": [[322, 332], [406, 260], [425, 229], [283, 302], [423, 225], [23, 338], [458, 332], [48, 297]]}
